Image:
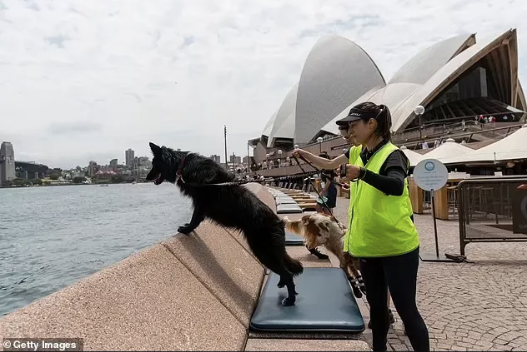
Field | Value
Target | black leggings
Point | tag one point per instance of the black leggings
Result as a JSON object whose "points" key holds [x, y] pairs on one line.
{"points": [[399, 274]]}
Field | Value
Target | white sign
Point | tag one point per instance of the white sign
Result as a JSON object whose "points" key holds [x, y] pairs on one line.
{"points": [[430, 174]]}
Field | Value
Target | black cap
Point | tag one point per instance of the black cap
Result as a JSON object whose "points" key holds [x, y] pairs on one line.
{"points": [[356, 115]]}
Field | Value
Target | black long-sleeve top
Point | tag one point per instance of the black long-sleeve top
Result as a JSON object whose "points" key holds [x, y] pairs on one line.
{"points": [[390, 179]]}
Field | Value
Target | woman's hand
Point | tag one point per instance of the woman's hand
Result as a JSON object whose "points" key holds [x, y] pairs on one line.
{"points": [[298, 152], [352, 172]]}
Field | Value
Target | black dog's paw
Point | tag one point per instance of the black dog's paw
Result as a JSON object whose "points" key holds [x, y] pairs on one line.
{"points": [[185, 229], [322, 256], [317, 253], [280, 284], [288, 301]]}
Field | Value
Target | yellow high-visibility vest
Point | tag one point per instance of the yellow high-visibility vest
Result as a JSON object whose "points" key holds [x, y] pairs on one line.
{"points": [[380, 225], [354, 154]]}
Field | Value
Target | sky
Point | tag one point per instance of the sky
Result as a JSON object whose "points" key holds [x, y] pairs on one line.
{"points": [[86, 80]]}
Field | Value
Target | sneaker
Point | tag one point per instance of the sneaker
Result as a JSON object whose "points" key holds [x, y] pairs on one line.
{"points": [[390, 316]]}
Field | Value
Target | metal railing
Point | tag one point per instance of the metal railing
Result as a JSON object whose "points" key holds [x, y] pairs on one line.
{"points": [[492, 210]]}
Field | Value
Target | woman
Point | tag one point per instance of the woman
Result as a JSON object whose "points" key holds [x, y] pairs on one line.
{"points": [[381, 230], [329, 192], [348, 157]]}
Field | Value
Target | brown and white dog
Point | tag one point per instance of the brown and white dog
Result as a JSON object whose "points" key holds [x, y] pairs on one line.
{"points": [[321, 229]]}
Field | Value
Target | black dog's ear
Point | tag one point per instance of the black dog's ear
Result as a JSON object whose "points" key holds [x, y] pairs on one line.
{"points": [[156, 150]]}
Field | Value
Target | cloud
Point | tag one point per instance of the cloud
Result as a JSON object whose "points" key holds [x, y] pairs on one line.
{"points": [[74, 128], [116, 64]]}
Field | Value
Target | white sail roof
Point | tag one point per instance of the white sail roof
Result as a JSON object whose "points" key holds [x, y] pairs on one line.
{"points": [[409, 79]]}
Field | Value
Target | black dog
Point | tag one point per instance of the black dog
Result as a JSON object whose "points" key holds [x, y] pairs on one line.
{"points": [[231, 205]]}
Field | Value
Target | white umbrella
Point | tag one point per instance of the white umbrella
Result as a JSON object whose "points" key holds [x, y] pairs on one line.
{"points": [[511, 147], [449, 149], [412, 156]]}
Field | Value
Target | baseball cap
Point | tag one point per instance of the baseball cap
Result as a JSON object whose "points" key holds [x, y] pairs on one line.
{"points": [[356, 115]]}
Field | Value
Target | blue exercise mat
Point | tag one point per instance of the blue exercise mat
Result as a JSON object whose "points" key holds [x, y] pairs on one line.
{"points": [[292, 239], [325, 303]]}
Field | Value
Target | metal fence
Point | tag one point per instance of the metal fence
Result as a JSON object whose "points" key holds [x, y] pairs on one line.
{"points": [[492, 210]]}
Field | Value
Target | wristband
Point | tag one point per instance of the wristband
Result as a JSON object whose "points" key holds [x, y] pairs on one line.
{"points": [[362, 173]]}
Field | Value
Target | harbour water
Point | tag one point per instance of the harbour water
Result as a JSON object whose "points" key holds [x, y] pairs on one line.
{"points": [[51, 237]]}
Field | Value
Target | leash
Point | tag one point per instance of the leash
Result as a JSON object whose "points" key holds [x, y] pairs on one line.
{"points": [[179, 177], [312, 184]]}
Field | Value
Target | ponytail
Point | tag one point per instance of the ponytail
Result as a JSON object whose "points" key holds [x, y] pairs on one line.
{"points": [[382, 116], [384, 122]]}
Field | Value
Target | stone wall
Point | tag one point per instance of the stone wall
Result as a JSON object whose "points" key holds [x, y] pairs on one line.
{"points": [[189, 293]]}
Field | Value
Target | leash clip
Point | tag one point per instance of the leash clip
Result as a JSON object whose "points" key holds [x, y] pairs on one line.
{"points": [[179, 176]]}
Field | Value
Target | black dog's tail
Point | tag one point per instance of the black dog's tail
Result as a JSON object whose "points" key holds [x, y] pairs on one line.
{"points": [[293, 265]]}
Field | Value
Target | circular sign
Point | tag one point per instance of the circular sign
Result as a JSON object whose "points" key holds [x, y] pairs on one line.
{"points": [[430, 174]]}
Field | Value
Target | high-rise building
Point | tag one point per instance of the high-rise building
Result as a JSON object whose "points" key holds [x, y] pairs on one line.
{"points": [[234, 159], [7, 163], [129, 157], [216, 158], [113, 163], [92, 168]]}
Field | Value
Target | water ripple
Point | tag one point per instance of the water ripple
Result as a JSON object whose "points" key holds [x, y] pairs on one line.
{"points": [[51, 237]]}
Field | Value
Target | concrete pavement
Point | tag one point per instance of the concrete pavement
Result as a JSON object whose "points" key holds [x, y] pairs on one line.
{"points": [[468, 306]]}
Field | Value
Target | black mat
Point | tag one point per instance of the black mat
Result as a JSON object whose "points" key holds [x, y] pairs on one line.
{"points": [[325, 303]]}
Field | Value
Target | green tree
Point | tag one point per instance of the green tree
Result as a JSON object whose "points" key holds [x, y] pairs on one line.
{"points": [[79, 179], [36, 181], [54, 176], [18, 182]]}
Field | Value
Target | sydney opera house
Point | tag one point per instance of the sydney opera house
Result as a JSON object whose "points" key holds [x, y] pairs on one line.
{"points": [[457, 81]]}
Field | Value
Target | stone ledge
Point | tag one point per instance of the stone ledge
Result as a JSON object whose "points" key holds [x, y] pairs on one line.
{"points": [[145, 302]]}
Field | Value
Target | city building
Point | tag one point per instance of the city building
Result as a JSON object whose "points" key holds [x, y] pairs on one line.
{"points": [[113, 163], [92, 168], [7, 163], [216, 158], [129, 158], [234, 159], [458, 81]]}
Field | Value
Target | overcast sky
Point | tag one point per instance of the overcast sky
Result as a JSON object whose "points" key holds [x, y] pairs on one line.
{"points": [[84, 80]]}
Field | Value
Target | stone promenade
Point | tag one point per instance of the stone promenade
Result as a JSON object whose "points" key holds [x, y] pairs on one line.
{"points": [[468, 306]]}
